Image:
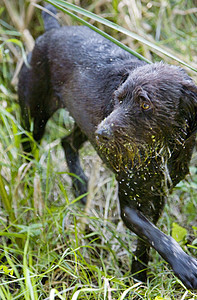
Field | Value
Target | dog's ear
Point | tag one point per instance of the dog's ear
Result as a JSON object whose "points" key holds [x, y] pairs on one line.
{"points": [[121, 91], [190, 86], [189, 105], [188, 118]]}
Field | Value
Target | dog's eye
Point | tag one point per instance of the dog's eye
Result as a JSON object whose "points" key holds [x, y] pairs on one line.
{"points": [[145, 105]]}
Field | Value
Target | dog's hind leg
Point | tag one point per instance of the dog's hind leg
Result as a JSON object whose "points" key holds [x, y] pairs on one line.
{"points": [[71, 144], [23, 95], [140, 261], [34, 112], [37, 99]]}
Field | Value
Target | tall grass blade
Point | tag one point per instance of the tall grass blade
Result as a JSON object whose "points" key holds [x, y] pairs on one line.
{"points": [[29, 288], [5, 199]]}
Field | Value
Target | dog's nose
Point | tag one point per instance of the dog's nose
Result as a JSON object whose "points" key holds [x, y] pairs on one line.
{"points": [[104, 134]]}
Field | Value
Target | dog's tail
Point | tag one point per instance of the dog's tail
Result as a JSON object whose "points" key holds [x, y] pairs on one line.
{"points": [[49, 17]]}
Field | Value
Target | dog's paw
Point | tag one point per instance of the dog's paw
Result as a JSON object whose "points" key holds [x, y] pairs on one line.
{"points": [[186, 271]]}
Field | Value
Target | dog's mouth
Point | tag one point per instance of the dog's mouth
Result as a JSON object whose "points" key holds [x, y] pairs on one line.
{"points": [[126, 154], [121, 151]]}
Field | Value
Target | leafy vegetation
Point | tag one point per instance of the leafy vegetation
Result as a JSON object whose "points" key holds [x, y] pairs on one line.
{"points": [[50, 246]]}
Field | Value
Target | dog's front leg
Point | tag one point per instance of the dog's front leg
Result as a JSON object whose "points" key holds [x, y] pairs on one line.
{"points": [[183, 265], [71, 144], [140, 260]]}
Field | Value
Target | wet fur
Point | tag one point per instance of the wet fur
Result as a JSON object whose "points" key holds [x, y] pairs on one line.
{"points": [[140, 118]]}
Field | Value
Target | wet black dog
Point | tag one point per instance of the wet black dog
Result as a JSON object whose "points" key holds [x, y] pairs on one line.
{"points": [[140, 118]]}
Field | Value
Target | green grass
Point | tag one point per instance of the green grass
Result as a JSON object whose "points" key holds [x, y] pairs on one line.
{"points": [[50, 246]]}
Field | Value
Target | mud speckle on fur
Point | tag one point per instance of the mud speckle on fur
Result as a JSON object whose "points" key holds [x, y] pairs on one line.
{"points": [[140, 118]]}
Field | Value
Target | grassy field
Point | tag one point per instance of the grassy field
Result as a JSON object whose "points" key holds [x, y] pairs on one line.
{"points": [[51, 247]]}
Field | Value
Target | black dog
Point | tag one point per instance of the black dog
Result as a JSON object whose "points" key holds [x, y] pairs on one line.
{"points": [[140, 118]]}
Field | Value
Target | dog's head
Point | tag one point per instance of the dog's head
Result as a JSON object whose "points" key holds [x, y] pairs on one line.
{"points": [[155, 114]]}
